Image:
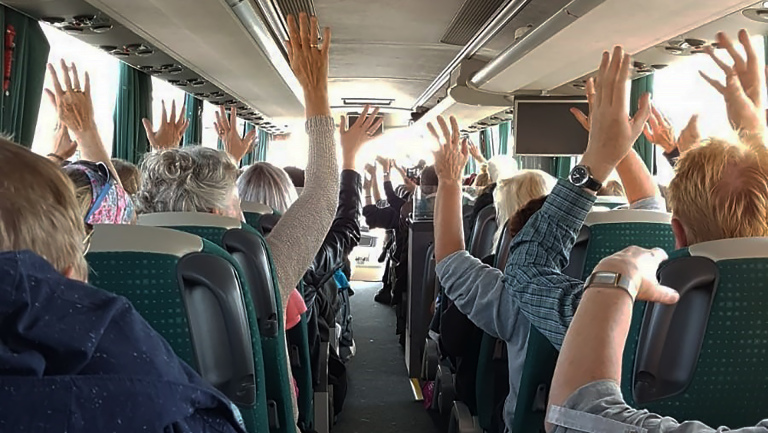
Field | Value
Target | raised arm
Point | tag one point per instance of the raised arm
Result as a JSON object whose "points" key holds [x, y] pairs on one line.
{"points": [[171, 130], [296, 238], [375, 185], [74, 106]]}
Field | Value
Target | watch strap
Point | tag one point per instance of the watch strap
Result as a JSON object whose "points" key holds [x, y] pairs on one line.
{"points": [[612, 280]]}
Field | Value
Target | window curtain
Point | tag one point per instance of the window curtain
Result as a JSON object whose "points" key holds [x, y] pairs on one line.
{"points": [[562, 167], [194, 134], [643, 147], [262, 146], [486, 143], [20, 100], [134, 103], [503, 138], [249, 157]]}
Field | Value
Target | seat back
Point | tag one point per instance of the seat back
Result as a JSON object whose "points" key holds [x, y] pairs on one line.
{"points": [[603, 234], [483, 233], [704, 357], [259, 216], [246, 249], [187, 292], [610, 202]]}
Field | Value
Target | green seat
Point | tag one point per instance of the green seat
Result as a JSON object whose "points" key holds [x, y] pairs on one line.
{"points": [[301, 366], [259, 216], [603, 234], [191, 296], [248, 252], [705, 357], [610, 202]]}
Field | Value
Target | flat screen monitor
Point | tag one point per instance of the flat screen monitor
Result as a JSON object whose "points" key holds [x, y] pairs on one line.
{"points": [[352, 118], [544, 126]]}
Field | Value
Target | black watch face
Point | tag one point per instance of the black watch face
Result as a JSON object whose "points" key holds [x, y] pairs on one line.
{"points": [[579, 175]]}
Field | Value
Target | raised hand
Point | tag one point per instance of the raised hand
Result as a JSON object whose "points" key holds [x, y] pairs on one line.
{"points": [[168, 136], [63, 146], [309, 62], [640, 265], [235, 145], [612, 132], [743, 86], [73, 103], [371, 169], [659, 131], [453, 152], [354, 137], [582, 118], [689, 137], [475, 152], [385, 163]]}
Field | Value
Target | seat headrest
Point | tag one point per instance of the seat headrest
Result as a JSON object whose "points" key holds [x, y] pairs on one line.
{"points": [[610, 201], [124, 238], [199, 219], [260, 208], [628, 216], [730, 249]]}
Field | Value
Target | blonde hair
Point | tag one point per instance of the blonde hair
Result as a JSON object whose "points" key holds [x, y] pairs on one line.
{"points": [[483, 179], [501, 167], [264, 183], [720, 191], [612, 188], [514, 193], [190, 179], [39, 211], [129, 175]]}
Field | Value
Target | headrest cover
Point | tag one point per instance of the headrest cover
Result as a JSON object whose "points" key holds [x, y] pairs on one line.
{"points": [[200, 219], [731, 249], [125, 238], [260, 208], [628, 216]]}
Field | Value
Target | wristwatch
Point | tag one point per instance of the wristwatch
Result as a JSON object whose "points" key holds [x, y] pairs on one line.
{"points": [[582, 177], [612, 280]]}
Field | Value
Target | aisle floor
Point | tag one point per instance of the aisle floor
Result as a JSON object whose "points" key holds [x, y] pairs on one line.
{"points": [[379, 399]]}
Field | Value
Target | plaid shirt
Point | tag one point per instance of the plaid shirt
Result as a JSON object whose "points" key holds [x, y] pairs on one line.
{"points": [[539, 252]]}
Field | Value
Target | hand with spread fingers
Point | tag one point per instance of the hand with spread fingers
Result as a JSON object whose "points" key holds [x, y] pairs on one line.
{"points": [[475, 152], [169, 135], [453, 153], [612, 131], [73, 103], [659, 131], [371, 169], [689, 138], [581, 117], [640, 266], [743, 86], [309, 62], [354, 137], [235, 145], [64, 146]]}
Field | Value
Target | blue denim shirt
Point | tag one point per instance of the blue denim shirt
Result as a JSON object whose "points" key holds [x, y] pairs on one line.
{"points": [[78, 359]]}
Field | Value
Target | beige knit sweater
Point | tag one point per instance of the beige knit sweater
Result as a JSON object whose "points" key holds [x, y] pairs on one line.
{"points": [[299, 234]]}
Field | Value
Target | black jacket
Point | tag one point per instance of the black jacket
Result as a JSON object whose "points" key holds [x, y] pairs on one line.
{"points": [[343, 236]]}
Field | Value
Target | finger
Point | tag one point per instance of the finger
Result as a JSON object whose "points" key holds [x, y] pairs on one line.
{"points": [[360, 122], [164, 115], [464, 147], [746, 42], [653, 121], [326, 42], [304, 31], [87, 88], [580, 117], [725, 42], [433, 131], [620, 72], [647, 132], [182, 115], [55, 80], [218, 128], [343, 124], [67, 78], [372, 118], [660, 294], [75, 78], [455, 130], [375, 127], [711, 52], [290, 51], [148, 128], [250, 138], [693, 125], [173, 112], [641, 116], [293, 33], [233, 117], [51, 96], [599, 83], [446, 132], [222, 118], [183, 127], [714, 83], [590, 92]]}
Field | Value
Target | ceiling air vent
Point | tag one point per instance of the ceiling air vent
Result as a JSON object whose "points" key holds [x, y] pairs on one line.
{"points": [[293, 7], [378, 102], [469, 20]]}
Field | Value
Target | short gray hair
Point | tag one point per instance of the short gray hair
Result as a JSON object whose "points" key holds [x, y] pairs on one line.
{"points": [[190, 179], [264, 183]]}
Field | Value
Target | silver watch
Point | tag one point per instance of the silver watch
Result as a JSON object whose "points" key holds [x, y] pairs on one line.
{"points": [[612, 280]]}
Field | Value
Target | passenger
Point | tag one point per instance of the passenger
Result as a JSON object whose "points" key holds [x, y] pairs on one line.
{"points": [[659, 132], [513, 193], [264, 183], [483, 179], [101, 198], [483, 293], [499, 167], [129, 175], [612, 188], [97, 362]]}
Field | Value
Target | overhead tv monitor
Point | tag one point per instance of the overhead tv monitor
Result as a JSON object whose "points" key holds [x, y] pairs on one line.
{"points": [[352, 118], [545, 126]]}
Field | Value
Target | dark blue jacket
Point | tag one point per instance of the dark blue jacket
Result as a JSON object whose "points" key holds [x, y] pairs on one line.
{"points": [[74, 358]]}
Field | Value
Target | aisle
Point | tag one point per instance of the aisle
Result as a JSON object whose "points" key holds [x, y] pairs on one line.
{"points": [[379, 399]]}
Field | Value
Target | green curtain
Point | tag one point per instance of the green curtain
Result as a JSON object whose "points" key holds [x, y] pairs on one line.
{"points": [[643, 147], [248, 159], [194, 134], [562, 167], [503, 138], [486, 143], [20, 104], [262, 146], [134, 103]]}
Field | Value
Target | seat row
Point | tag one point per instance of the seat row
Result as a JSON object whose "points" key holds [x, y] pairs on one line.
{"points": [[207, 284], [697, 359]]}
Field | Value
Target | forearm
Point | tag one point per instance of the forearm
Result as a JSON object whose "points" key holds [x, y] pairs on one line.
{"points": [[298, 236], [368, 195], [449, 227], [375, 189], [637, 180], [594, 343], [92, 149]]}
